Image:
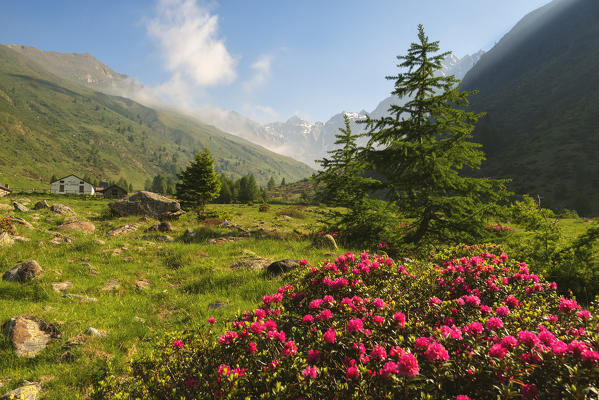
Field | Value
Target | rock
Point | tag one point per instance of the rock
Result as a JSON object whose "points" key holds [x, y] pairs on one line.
{"points": [[112, 285], [282, 266], [90, 269], [326, 241], [28, 335], [287, 217], [99, 242], [19, 207], [27, 391], [5, 207], [40, 205], [62, 209], [158, 238], [251, 262], [59, 239], [122, 230], [21, 221], [6, 240], [217, 305], [140, 320], [62, 286], [84, 299], [189, 236], [81, 226], [96, 332], [142, 284], [23, 272], [149, 204], [21, 238], [163, 227], [224, 239]]}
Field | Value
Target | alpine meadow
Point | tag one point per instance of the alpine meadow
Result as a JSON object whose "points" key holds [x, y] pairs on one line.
{"points": [[156, 244]]}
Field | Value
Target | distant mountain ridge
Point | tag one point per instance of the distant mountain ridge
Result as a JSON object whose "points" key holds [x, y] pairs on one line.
{"points": [[53, 125], [539, 86], [309, 141]]}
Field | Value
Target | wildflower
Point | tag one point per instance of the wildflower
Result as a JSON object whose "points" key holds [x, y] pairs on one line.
{"points": [[379, 303], [509, 342], [289, 349], [566, 305], [313, 356], [400, 318], [462, 397], [324, 315], [421, 343], [512, 302], [377, 319], [475, 328], [435, 301], [307, 319], [330, 335], [494, 323], [502, 311], [498, 351], [546, 337], [211, 320], [354, 325], [559, 347], [407, 365], [436, 352], [303, 262], [590, 356], [378, 353], [528, 338], [577, 347], [310, 372], [352, 373], [260, 313], [252, 348], [584, 314], [529, 391], [178, 344]]}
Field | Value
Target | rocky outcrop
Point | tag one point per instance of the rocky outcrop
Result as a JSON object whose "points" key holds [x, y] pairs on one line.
{"points": [[148, 204], [81, 226], [62, 209], [157, 238], [27, 391], [6, 240], [326, 241], [28, 335], [282, 266], [23, 272], [163, 227], [122, 230], [19, 207], [40, 205]]}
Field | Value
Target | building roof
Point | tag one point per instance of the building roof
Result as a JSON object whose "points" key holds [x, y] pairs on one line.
{"points": [[5, 188], [60, 179]]}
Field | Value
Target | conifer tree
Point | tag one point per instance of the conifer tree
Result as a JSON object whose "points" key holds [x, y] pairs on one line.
{"points": [[422, 147], [198, 184], [340, 181], [271, 183]]}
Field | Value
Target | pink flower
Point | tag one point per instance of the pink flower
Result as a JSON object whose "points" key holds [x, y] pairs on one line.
{"points": [[314, 304], [436, 352], [211, 320], [407, 365], [313, 356], [529, 391], [178, 344], [566, 305], [421, 343], [577, 347], [462, 397], [324, 315], [360, 348], [352, 373], [260, 313], [400, 318], [528, 338], [546, 337], [252, 347], [434, 300], [584, 314], [497, 351], [223, 370], [307, 319], [303, 262], [590, 356], [257, 328], [502, 311], [377, 319], [512, 302], [379, 303], [378, 353], [354, 325], [390, 368], [494, 323], [310, 372], [289, 349], [509, 342], [559, 347], [475, 328], [330, 335]]}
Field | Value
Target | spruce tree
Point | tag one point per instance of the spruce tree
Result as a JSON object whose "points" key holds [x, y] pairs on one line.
{"points": [[198, 184], [421, 149], [340, 182], [271, 183]]}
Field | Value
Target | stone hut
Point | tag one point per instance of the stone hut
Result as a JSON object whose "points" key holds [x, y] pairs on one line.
{"points": [[114, 192]]}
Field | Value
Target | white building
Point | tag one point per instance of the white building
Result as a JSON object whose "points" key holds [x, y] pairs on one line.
{"points": [[72, 185]]}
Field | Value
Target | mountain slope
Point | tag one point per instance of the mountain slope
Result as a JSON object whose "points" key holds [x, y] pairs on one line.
{"points": [[53, 126], [540, 88]]}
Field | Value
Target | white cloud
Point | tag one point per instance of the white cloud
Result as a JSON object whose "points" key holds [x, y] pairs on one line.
{"points": [[193, 51], [261, 68]]}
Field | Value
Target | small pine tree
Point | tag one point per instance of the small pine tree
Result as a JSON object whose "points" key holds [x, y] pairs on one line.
{"points": [[271, 183], [283, 183], [130, 188], [53, 178], [198, 184], [420, 149]]}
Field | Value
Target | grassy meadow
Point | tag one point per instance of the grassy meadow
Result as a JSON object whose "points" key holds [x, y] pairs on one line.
{"points": [[188, 282]]}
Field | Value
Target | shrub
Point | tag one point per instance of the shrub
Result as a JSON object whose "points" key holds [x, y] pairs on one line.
{"points": [[264, 207], [7, 226], [472, 323], [295, 212]]}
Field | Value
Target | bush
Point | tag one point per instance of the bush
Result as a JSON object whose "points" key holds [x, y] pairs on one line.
{"points": [[264, 207], [294, 212], [471, 324], [7, 226]]}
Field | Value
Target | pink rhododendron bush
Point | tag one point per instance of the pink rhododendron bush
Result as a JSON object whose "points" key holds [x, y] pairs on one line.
{"points": [[470, 323]]}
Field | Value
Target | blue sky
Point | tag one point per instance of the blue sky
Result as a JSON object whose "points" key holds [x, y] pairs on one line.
{"points": [[265, 59]]}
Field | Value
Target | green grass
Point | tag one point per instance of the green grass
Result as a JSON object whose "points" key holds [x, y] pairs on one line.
{"points": [[185, 279]]}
